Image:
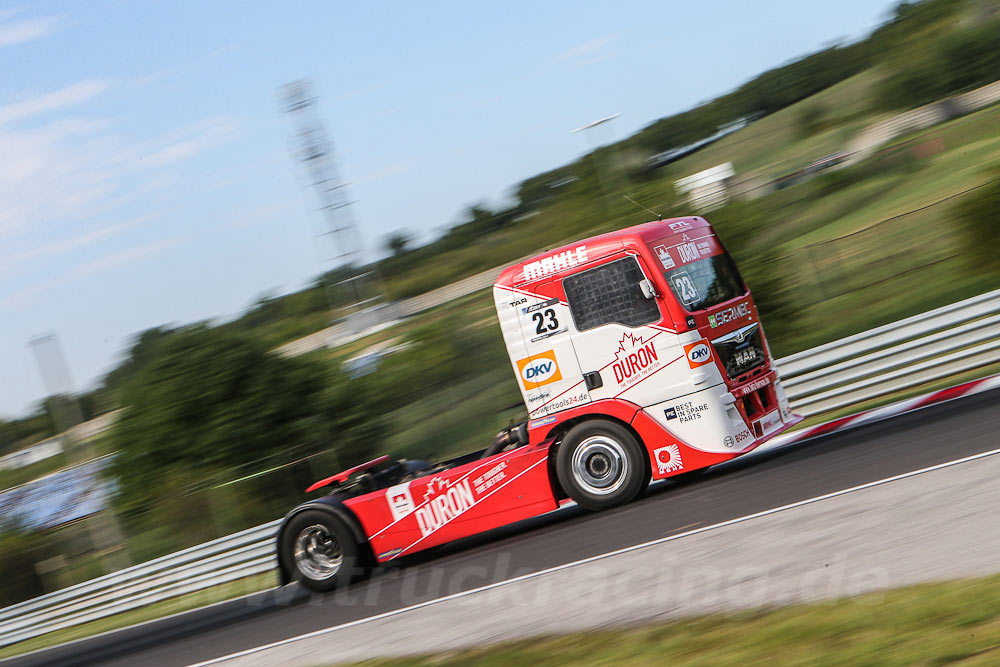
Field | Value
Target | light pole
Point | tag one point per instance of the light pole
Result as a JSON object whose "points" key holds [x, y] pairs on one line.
{"points": [[102, 526], [601, 177]]}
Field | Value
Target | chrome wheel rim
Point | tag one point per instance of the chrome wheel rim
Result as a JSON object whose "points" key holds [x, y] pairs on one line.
{"points": [[318, 554], [600, 465]]}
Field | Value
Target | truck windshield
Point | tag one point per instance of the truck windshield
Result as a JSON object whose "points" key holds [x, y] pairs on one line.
{"points": [[706, 282]]}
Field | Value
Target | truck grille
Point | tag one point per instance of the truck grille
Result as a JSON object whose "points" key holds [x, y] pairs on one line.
{"points": [[740, 351]]}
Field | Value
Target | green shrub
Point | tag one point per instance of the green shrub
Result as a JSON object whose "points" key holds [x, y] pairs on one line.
{"points": [[810, 120], [979, 213], [20, 550], [959, 61]]}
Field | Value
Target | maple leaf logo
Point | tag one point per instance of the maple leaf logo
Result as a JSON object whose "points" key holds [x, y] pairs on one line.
{"points": [[436, 486], [628, 344]]}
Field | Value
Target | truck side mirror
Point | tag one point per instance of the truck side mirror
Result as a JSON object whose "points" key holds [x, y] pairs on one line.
{"points": [[647, 288]]}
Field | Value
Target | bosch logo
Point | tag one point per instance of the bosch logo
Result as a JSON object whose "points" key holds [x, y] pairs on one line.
{"points": [[699, 353]]}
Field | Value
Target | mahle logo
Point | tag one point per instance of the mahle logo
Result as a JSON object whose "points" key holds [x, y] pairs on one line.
{"points": [[554, 263], [539, 369]]}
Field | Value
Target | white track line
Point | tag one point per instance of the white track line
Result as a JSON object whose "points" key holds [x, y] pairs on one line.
{"points": [[609, 554]]}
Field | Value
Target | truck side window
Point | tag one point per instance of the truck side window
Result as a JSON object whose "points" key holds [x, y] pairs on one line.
{"points": [[609, 293]]}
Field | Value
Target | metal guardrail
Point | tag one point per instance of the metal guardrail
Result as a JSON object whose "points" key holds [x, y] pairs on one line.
{"points": [[840, 374], [894, 357], [222, 560]]}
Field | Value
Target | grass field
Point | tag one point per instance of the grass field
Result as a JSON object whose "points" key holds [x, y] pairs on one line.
{"points": [[842, 271], [875, 275], [775, 145], [869, 274], [934, 624]]}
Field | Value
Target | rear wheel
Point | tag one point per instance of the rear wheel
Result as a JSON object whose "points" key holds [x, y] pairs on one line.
{"points": [[600, 464], [319, 551]]}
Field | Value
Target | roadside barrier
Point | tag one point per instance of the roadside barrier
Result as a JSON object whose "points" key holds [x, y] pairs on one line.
{"points": [[840, 375]]}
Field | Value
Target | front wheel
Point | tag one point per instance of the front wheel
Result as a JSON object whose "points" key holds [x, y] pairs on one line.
{"points": [[319, 551], [600, 464]]}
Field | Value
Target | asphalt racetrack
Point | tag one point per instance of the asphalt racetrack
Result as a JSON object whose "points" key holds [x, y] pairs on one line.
{"points": [[755, 483]]}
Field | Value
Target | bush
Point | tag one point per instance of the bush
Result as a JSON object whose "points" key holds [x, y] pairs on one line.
{"points": [[739, 225], [209, 400], [979, 213], [810, 120], [19, 551], [960, 61]]}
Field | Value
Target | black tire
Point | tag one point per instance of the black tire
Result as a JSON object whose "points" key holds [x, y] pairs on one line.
{"points": [[320, 552], [600, 464]]}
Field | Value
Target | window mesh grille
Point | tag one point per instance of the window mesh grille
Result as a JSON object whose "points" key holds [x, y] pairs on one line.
{"points": [[609, 293]]}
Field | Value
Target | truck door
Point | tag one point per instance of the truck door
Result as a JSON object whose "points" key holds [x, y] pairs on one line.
{"points": [[549, 373], [617, 336]]}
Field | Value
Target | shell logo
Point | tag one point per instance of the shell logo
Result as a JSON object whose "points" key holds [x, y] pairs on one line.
{"points": [[698, 354], [539, 369]]}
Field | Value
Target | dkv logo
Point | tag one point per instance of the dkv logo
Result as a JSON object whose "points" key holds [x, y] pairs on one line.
{"points": [[698, 354], [539, 369]]}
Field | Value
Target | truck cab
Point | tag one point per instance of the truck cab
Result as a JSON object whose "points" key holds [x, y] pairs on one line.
{"points": [[639, 355], [650, 325]]}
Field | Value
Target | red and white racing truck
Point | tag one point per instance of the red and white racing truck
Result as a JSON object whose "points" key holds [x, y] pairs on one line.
{"points": [[640, 356]]}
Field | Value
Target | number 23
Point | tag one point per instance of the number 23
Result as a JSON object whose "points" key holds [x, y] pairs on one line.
{"points": [[539, 318]]}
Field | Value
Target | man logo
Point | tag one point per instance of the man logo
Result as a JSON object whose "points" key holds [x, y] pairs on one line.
{"points": [[539, 369], [698, 354]]}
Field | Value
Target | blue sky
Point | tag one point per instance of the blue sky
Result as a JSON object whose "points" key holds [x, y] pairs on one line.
{"points": [[144, 168]]}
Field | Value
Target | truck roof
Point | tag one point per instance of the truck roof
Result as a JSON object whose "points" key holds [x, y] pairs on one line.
{"points": [[596, 247]]}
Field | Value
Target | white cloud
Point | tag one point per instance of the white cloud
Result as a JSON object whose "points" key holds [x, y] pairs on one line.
{"points": [[61, 171], [19, 32], [122, 258], [358, 92], [57, 175], [587, 48], [55, 248], [69, 182], [28, 293], [189, 142], [94, 267], [388, 171], [71, 95]]}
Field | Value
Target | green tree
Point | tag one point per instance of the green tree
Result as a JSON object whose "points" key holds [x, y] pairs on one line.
{"points": [[929, 70], [20, 550], [397, 242], [209, 400], [739, 225], [18, 433]]}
